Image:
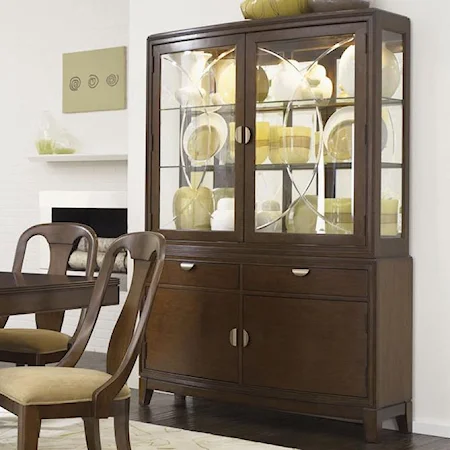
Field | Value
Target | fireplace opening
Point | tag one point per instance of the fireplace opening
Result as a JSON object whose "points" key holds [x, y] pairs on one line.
{"points": [[108, 223]]}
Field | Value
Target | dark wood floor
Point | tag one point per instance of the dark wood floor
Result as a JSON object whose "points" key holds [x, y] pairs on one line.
{"points": [[271, 427]]}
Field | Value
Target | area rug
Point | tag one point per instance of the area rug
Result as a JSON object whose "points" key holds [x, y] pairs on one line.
{"points": [[69, 434]]}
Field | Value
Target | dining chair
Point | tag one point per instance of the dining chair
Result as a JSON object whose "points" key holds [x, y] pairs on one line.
{"points": [[36, 393], [46, 344]]}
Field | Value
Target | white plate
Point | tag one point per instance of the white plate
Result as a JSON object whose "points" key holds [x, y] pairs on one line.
{"points": [[347, 114], [206, 119]]}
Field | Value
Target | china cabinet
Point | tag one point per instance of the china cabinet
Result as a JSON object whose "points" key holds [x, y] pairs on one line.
{"points": [[277, 168]]}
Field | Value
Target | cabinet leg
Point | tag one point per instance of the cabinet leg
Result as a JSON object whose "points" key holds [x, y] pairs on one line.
{"points": [[180, 400], [145, 394], [404, 422], [372, 425]]}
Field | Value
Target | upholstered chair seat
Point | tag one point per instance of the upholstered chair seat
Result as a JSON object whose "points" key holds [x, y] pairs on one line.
{"points": [[33, 340], [53, 385]]}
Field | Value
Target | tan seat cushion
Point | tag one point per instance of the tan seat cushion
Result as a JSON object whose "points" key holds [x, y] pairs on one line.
{"points": [[52, 385], [32, 340]]}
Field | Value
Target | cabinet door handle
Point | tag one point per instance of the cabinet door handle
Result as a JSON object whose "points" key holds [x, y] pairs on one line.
{"points": [[238, 135], [187, 266], [245, 338], [247, 135], [233, 337], [300, 272], [242, 135]]}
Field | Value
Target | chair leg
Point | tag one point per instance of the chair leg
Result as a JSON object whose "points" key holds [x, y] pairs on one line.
{"points": [[92, 432], [122, 425], [29, 428]]}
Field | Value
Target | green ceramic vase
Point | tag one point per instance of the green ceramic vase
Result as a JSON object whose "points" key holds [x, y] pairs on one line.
{"points": [[192, 208]]}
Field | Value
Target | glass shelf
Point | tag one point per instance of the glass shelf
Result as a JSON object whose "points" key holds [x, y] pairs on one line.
{"points": [[281, 105], [307, 166]]}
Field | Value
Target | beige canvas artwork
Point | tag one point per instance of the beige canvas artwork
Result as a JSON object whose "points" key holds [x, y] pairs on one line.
{"points": [[94, 80]]}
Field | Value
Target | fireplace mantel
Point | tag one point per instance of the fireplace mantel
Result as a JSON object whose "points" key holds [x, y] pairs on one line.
{"points": [[79, 157]]}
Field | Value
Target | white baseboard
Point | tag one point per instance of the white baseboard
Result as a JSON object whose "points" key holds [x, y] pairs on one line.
{"points": [[432, 429]]}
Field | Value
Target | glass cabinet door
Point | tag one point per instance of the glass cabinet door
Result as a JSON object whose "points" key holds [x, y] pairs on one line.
{"points": [[197, 190], [391, 136], [308, 153]]}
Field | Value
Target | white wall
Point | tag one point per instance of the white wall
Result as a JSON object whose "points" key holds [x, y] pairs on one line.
{"points": [[33, 37], [430, 216]]}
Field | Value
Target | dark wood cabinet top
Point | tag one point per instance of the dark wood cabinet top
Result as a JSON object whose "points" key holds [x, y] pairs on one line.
{"points": [[242, 26]]}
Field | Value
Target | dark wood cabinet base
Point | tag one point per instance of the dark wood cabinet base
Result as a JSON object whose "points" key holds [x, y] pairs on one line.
{"points": [[145, 394], [404, 421], [372, 419]]}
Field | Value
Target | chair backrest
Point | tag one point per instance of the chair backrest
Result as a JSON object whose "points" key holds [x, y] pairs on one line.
{"points": [[147, 249], [61, 238]]}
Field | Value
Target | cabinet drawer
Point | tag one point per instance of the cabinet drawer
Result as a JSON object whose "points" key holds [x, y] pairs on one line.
{"points": [[305, 280], [209, 275]]}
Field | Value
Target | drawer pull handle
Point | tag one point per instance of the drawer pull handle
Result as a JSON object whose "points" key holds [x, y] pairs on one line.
{"points": [[300, 272], [187, 266], [233, 337], [246, 338]]}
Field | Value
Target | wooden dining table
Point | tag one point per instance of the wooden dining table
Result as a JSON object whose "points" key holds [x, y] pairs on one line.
{"points": [[25, 293]]}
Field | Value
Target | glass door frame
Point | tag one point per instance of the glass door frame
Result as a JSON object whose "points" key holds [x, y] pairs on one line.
{"points": [[385, 246], [253, 41], [154, 136]]}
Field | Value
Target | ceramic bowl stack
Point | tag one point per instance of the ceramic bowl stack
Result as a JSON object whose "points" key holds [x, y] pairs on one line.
{"points": [[339, 215], [295, 144], [222, 218], [389, 217], [274, 151], [262, 141]]}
